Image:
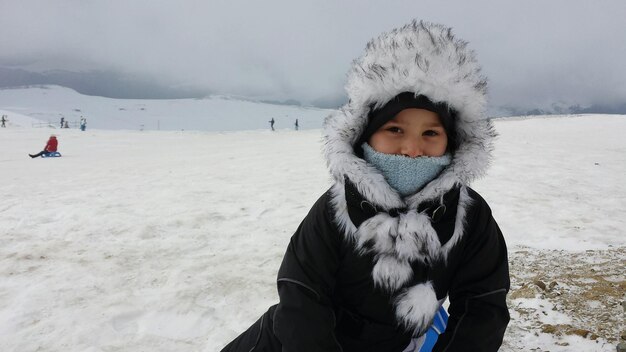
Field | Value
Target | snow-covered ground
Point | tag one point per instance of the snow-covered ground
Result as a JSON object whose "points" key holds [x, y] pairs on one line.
{"points": [[171, 240]]}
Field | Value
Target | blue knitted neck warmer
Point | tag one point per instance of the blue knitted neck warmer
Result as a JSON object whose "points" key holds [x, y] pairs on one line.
{"points": [[406, 175]]}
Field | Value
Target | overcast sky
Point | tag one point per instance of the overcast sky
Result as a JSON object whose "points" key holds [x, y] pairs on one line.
{"points": [[534, 52]]}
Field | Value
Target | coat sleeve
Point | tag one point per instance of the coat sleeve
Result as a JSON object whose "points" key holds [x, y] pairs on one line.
{"points": [[478, 310], [304, 319]]}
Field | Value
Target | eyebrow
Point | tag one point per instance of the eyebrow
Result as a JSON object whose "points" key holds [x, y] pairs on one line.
{"points": [[429, 124]]}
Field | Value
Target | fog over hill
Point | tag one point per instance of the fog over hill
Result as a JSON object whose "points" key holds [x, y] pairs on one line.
{"points": [[99, 83], [543, 57]]}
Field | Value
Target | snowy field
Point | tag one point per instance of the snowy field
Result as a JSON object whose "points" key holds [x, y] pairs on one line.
{"points": [[171, 240]]}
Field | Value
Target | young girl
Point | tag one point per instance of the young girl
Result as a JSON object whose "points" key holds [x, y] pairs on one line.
{"points": [[400, 230]]}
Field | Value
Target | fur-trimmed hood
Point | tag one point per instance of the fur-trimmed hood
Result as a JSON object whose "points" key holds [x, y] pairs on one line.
{"points": [[428, 60]]}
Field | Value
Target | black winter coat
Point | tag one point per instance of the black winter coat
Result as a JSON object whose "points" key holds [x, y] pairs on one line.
{"points": [[329, 302]]}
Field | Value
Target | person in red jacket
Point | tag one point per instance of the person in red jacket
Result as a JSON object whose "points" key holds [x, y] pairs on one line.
{"points": [[50, 147]]}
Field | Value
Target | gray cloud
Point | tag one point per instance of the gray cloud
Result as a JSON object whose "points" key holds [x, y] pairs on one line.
{"points": [[535, 53]]}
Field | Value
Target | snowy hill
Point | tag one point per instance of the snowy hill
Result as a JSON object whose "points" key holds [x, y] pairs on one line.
{"points": [[18, 120], [218, 113], [171, 240]]}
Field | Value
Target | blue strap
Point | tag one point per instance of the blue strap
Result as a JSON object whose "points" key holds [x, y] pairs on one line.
{"points": [[439, 326]]}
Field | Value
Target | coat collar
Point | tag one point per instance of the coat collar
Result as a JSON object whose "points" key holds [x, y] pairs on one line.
{"points": [[359, 209]]}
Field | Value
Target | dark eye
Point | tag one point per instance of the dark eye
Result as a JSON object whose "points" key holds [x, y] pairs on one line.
{"points": [[394, 129], [431, 133]]}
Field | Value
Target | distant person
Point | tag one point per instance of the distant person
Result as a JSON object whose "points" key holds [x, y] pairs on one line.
{"points": [[272, 123], [50, 147], [4, 120], [62, 122], [83, 123], [66, 125], [297, 124]]}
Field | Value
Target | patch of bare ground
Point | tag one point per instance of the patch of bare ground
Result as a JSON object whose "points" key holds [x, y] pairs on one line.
{"points": [[564, 293]]}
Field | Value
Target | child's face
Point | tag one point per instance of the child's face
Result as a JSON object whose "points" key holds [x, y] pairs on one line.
{"points": [[412, 133]]}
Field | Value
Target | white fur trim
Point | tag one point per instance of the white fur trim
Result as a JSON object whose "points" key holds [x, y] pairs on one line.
{"points": [[465, 202], [416, 238], [391, 273], [416, 307], [420, 57], [342, 218], [379, 232], [407, 238]]}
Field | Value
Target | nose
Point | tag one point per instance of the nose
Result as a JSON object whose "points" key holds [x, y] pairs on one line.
{"points": [[412, 148]]}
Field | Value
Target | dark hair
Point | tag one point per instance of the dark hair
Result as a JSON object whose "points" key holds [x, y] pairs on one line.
{"points": [[407, 100]]}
